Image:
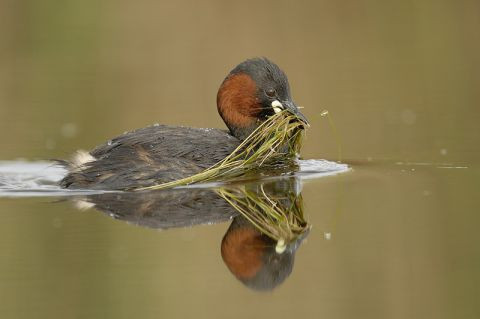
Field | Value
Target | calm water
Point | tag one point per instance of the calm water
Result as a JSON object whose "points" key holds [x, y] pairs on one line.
{"points": [[396, 236]]}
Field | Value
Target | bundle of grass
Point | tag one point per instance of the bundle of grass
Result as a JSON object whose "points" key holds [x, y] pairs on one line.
{"points": [[279, 217], [273, 141]]}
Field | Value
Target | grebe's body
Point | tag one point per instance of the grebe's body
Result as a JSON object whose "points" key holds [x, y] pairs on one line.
{"points": [[146, 156], [254, 90]]}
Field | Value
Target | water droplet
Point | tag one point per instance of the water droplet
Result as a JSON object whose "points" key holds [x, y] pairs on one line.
{"points": [[324, 113]]}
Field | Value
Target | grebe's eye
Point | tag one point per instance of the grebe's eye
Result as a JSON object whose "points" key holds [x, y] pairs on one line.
{"points": [[270, 92]]}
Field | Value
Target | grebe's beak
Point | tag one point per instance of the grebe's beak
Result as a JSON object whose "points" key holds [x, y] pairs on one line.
{"points": [[292, 108]]}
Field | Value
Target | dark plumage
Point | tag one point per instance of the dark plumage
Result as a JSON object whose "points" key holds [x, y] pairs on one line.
{"points": [[148, 155], [251, 92]]}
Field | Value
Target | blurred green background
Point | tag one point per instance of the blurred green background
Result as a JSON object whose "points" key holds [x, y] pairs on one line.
{"points": [[400, 79]]}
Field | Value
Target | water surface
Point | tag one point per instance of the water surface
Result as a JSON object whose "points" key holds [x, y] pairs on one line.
{"points": [[385, 236], [394, 237]]}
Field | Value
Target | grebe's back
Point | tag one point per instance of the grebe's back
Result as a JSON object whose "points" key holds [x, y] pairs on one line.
{"points": [[149, 156]]}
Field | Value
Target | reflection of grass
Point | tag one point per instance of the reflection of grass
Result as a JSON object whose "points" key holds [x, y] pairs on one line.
{"points": [[277, 138], [279, 217]]}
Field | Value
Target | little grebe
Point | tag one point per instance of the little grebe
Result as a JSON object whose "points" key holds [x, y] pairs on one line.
{"points": [[254, 90]]}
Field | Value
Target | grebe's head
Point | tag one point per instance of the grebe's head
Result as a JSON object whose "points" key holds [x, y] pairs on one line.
{"points": [[254, 90]]}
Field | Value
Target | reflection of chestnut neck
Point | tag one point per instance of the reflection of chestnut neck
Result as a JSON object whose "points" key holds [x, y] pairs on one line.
{"points": [[251, 256], [242, 251], [238, 105]]}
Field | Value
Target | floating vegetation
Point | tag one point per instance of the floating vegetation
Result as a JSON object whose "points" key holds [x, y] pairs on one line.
{"points": [[280, 217], [276, 139]]}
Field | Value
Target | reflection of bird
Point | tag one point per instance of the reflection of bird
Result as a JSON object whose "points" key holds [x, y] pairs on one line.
{"points": [[252, 91], [251, 256], [170, 208]]}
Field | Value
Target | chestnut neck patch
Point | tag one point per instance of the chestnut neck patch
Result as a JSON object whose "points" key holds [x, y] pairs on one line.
{"points": [[237, 102]]}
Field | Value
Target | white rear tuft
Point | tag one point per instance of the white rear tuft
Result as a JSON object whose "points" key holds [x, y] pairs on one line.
{"points": [[81, 158]]}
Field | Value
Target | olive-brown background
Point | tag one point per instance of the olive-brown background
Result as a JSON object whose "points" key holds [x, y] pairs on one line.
{"points": [[401, 82]]}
